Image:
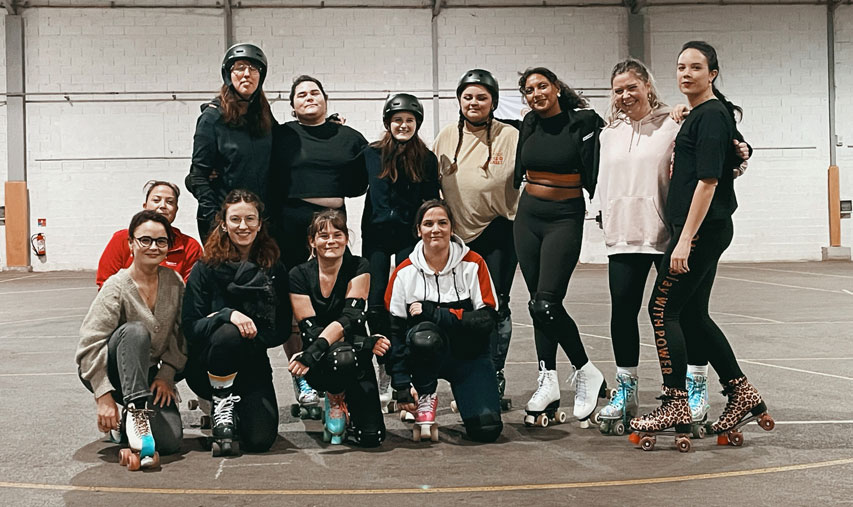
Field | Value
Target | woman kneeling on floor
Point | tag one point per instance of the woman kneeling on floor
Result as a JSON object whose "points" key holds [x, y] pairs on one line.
{"points": [[131, 345], [236, 307], [443, 308], [329, 298]]}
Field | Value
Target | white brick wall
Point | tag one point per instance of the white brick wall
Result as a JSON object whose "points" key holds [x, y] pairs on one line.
{"points": [[773, 61]]}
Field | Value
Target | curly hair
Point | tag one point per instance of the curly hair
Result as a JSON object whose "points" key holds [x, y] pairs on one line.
{"points": [[569, 99], [219, 248]]}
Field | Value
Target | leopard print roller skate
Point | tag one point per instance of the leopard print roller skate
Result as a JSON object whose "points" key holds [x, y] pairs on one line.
{"points": [[744, 405], [674, 413]]}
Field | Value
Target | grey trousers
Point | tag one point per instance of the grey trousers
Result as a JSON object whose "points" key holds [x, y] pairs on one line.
{"points": [[129, 354]]}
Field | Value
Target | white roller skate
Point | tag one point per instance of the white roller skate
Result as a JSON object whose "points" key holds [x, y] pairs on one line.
{"points": [[623, 406], [589, 387], [697, 398], [386, 393], [543, 407], [307, 404], [425, 425], [140, 452]]}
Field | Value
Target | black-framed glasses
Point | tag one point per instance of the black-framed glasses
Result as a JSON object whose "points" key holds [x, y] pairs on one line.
{"points": [[145, 242]]}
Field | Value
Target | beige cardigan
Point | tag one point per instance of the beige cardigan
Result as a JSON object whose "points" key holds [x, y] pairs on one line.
{"points": [[119, 302]]}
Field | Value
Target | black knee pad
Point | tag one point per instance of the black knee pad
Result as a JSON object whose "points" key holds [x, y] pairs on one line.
{"points": [[369, 438], [341, 359], [425, 340], [484, 428], [546, 312]]}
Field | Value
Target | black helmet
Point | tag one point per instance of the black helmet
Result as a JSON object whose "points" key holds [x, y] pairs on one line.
{"points": [[480, 77], [403, 102], [244, 51]]}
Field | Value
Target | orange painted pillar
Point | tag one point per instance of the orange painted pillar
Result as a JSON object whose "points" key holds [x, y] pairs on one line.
{"points": [[834, 195], [17, 225]]}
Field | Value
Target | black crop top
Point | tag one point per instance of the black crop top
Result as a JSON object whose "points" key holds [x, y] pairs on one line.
{"points": [[551, 147]]}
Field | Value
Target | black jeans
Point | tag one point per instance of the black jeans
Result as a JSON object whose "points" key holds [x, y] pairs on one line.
{"points": [[679, 308], [226, 352], [496, 245], [128, 359], [548, 236]]}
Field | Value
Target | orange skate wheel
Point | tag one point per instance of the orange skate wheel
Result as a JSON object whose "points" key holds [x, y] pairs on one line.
{"points": [[683, 443], [634, 438], [133, 463], [124, 456], [736, 438], [766, 422]]}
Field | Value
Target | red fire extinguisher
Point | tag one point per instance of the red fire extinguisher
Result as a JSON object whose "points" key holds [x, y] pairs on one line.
{"points": [[37, 241]]}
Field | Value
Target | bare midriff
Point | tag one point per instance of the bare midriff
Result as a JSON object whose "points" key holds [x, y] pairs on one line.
{"points": [[553, 186], [326, 202]]}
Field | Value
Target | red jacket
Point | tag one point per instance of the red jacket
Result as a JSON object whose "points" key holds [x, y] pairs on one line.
{"points": [[116, 256]]}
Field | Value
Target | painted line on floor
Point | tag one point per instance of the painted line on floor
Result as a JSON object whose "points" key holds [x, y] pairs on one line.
{"points": [[34, 291], [834, 291], [17, 278], [772, 321], [849, 421], [847, 291], [750, 268], [41, 319], [429, 489], [842, 377], [610, 339]]}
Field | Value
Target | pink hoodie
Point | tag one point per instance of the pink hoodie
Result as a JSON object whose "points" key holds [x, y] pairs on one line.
{"points": [[633, 181]]}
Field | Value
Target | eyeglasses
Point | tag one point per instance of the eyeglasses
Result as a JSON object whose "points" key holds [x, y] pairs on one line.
{"points": [[145, 242], [240, 68], [251, 220]]}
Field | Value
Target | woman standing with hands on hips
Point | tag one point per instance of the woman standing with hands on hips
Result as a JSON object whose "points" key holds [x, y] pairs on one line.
{"points": [[699, 207], [557, 157]]}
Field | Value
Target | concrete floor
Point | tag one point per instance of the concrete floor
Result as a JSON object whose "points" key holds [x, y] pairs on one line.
{"points": [[791, 326]]}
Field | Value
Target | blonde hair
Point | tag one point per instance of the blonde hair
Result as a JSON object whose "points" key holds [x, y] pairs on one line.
{"points": [[639, 69]]}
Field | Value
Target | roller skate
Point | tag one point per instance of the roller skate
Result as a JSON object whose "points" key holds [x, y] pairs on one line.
{"points": [[224, 425], [543, 407], [674, 413], [307, 404], [744, 405], [506, 403], [204, 406], [623, 406], [425, 425], [335, 419], [386, 394], [589, 387], [697, 398], [140, 452]]}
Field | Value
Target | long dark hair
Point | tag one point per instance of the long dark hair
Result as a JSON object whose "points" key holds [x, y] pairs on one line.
{"points": [[569, 99], [713, 64], [407, 157], [218, 248], [258, 117]]}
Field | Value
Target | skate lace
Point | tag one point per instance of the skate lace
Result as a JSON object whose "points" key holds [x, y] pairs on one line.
{"points": [[337, 406], [540, 392], [579, 381], [384, 382], [425, 403], [223, 410], [617, 399], [304, 387], [731, 403], [696, 390], [140, 420]]}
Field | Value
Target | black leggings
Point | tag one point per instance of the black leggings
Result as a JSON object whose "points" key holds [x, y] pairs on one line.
{"points": [[496, 246], [627, 274], [362, 393], [379, 244], [679, 308], [227, 352], [548, 236]]}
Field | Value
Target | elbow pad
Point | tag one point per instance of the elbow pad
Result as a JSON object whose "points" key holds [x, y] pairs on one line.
{"points": [[314, 353], [309, 330], [353, 315]]}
